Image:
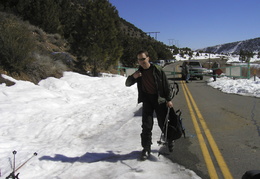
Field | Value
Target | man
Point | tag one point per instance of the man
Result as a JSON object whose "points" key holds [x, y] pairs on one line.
{"points": [[155, 93], [186, 71], [215, 67]]}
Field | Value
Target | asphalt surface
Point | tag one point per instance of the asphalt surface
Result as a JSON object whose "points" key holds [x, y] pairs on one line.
{"points": [[233, 120]]}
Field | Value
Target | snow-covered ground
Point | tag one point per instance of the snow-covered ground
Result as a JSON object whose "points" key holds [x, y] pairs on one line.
{"points": [[203, 56], [81, 127], [246, 87], [84, 127]]}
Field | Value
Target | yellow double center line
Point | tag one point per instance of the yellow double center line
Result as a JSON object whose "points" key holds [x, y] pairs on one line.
{"points": [[200, 120]]}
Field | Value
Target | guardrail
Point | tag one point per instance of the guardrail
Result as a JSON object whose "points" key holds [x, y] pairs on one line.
{"points": [[127, 71], [236, 71]]}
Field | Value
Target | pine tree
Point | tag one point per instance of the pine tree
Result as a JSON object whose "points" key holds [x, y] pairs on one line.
{"points": [[131, 47], [97, 35], [242, 55], [69, 15], [43, 13]]}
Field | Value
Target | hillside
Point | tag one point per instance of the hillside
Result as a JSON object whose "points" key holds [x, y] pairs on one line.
{"points": [[251, 45], [87, 37], [90, 31]]}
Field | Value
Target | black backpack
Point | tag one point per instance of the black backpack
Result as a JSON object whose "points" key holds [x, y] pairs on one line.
{"points": [[175, 128], [251, 174]]}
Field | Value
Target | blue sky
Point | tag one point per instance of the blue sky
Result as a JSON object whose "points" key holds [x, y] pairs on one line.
{"points": [[193, 23]]}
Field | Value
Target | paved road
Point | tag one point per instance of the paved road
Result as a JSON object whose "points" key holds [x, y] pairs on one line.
{"points": [[232, 120]]}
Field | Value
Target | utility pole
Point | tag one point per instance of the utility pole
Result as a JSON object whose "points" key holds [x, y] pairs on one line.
{"points": [[173, 42], [149, 33], [209, 61]]}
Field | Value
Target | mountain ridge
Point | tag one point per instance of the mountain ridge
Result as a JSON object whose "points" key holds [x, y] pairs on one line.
{"points": [[251, 45]]}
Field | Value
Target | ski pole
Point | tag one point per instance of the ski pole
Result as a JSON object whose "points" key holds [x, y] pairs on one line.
{"points": [[35, 154], [14, 152], [165, 128], [167, 123], [12, 175]]}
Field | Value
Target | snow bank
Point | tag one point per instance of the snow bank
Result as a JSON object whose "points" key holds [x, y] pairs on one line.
{"points": [[81, 127]]}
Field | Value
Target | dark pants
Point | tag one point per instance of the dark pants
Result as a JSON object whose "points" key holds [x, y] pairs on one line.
{"points": [[214, 75], [150, 105]]}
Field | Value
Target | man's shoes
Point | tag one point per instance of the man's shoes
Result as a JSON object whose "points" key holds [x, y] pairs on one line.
{"points": [[145, 155]]}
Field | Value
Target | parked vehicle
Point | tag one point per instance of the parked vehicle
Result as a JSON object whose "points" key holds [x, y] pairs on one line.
{"points": [[160, 62], [195, 69]]}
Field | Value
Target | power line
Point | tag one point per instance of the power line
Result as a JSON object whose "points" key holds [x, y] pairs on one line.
{"points": [[173, 42], [149, 33]]}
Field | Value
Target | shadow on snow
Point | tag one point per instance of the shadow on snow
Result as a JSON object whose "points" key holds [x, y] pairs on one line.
{"points": [[110, 156]]}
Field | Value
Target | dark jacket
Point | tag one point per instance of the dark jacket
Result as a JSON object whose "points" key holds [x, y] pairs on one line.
{"points": [[186, 69], [161, 81]]}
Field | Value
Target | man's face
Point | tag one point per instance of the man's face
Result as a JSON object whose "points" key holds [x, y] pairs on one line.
{"points": [[143, 60]]}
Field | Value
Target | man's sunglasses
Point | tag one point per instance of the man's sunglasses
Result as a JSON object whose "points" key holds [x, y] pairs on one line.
{"points": [[142, 59]]}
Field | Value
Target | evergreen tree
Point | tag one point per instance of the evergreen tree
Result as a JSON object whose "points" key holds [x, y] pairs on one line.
{"points": [[152, 53], [43, 13], [97, 35], [190, 54], [69, 16], [245, 55], [181, 53], [131, 47], [242, 55], [175, 50]]}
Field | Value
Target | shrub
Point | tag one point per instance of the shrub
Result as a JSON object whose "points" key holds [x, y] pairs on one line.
{"points": [[45, 66], [16, 43]]}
